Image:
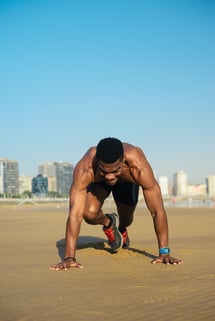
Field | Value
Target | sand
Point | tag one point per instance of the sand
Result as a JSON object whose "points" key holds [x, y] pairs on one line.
{"points": [[123, 286]]}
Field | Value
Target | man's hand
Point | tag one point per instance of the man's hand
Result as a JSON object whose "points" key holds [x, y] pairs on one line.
{"points": [[166, 259], [65, 265]]}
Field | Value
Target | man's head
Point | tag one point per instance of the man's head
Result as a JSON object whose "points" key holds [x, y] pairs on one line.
{"points": [[109, 150], [110, 158]]}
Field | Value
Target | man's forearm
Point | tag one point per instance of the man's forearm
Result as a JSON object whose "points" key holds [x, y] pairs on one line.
{"points": [[72, 233], [161, 229]]}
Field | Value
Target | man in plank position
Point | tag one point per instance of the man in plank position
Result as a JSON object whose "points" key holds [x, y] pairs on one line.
{"points": [[120, 168]]}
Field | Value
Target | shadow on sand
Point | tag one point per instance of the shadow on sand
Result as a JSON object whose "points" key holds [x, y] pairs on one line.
{"points": [[98, 244]]}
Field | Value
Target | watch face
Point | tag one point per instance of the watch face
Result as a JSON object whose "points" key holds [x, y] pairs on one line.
{"points": [[164, 250]]}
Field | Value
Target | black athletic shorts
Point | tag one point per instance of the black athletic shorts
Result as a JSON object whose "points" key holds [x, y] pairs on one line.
{"points": [[123, 192]]}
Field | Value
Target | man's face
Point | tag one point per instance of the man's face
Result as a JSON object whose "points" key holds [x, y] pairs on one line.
{"points": [[110, 172]]}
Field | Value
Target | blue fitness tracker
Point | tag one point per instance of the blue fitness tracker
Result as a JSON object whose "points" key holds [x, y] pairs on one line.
{"points": [[164, 250]]}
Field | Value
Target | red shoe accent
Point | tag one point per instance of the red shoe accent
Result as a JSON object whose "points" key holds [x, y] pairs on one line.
{"points": [[110, 234], [126, 241], [124, 236]]}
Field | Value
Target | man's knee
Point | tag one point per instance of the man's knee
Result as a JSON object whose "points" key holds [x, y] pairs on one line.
{"points": [[90, 216]]}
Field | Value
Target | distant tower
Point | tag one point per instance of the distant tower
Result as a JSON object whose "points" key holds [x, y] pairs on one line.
{"points": [[180, 184], [25, 184], [164, 185], [9, 176], [210, 182], [59, 174], [40, 186]]}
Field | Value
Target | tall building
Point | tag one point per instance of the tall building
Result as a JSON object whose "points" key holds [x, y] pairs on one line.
{"points": [[164, 185], [25, 184], [180, 184], [9, 177], [210, 182], [197, 190], [59, 174], [40, 186], [52, 183]]}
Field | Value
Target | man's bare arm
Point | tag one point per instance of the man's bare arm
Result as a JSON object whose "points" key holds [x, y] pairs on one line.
{"points": [[76, 210], [144, 176], [154, 203], [75, 217], [82, 177]]}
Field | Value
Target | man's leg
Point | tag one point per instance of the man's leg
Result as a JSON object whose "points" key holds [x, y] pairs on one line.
{"points": [[126, 215], [93, 214], [126, 198], [96, 195]]}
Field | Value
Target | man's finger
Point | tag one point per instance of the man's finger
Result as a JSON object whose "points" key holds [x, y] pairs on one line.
{"points": [[77, 265], [63, 266], [157, 260]]}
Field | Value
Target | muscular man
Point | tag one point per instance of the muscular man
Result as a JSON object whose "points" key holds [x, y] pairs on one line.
{"points": [[120, 168]]}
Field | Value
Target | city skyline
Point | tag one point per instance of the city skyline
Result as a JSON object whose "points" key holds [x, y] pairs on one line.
{"points": [[73, 73], [170, 179], [56, 177]]}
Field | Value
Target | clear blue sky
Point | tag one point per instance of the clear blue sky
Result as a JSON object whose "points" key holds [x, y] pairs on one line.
{"points": [[73, 72]]}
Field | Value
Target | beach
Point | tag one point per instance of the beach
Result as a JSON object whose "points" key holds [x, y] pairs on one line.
{"points": [[121, 286]]}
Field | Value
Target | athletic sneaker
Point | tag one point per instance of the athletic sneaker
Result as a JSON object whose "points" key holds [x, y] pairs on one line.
{"points": [[126, 241], [114, 236]]}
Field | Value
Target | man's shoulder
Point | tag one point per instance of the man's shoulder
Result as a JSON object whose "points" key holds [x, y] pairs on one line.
{"points": [[84, 167], [133, 152], [91, 151], [83, 174], [88, 157]]}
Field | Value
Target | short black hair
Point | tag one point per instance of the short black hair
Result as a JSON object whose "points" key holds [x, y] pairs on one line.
{"points": [[109, 150]]}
